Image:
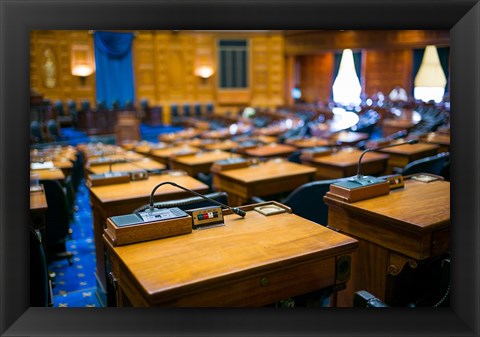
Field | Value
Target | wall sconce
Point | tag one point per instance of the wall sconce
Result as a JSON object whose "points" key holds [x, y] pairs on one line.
{"points": [[82, 71], [82, 62], [204, 72]]}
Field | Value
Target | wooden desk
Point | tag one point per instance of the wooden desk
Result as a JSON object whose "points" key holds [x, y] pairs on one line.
{"points": [[163, 155], [271, 150], [145, 163], [407, 226], [200, 162], [38, 208], [393, 125], [50, 174], [254, 261], [120, 199], [344, 163], [226, 145], [261, 180], [401, 155], [348, 138], [310, 142], [440, 139], [175, 136]]}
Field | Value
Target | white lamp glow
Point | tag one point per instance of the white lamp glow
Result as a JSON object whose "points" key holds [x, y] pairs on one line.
{"points": [[430, 80], [346, 88], [82, 70], [204, 71]]}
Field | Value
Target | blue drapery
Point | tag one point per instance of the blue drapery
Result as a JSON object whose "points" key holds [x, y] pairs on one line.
{"points": [[114, 70]]}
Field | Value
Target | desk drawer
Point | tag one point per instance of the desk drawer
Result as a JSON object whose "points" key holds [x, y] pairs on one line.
{"points": [[259, 289]]}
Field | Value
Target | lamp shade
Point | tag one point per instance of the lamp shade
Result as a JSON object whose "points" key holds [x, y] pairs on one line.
{"points": [[430, 73]]}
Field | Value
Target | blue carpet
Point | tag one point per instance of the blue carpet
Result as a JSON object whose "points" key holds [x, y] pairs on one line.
{"points": [[75, 285]]}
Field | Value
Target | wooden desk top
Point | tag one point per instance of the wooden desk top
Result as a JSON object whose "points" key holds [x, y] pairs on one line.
{"points": [[166, 153], [50, 174], [270, 150], [310, 142], [273, 169], [169, 271], [38, 202], [145, 163], [348, 157], [224, 146], [175, 136], [436, 138], [408, 149], [419, 206], [348, 138], [143, 188], [202, 158]]}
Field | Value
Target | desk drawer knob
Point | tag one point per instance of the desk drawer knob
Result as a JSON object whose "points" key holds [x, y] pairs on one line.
{"points": [[264, 282]]}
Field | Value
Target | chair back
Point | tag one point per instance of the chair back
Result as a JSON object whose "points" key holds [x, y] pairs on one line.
{"points": [[36, 132], [186, 110], [57, 215], [39, 286], [191, 203], [53, 129], [307, 200], [197, 109], [434, 165]]}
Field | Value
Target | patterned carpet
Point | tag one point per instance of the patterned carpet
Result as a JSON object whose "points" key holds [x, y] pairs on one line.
{"points": [[75, 284]]}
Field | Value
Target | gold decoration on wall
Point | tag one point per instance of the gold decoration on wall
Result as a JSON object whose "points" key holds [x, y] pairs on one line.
{"points": [[49, 68]]}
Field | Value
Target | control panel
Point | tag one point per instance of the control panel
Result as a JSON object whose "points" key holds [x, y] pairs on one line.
{"points": [[207, 217]]}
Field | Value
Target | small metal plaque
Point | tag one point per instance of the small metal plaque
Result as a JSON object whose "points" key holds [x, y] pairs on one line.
{"points": [[270, 209]]}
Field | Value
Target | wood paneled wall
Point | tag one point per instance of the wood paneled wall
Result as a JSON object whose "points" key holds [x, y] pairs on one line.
{"points": [[164, 64], [50, 65], [387, 58]]}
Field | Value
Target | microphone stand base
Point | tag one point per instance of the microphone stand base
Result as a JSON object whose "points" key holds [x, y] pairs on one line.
{"points": [[352, 191]]}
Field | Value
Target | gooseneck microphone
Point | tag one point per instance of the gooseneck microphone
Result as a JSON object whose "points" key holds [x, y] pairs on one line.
{"points": [[359, 175], [235, 210]]}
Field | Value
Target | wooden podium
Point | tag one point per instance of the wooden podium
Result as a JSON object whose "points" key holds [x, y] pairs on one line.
{"points": [[407, 227]]}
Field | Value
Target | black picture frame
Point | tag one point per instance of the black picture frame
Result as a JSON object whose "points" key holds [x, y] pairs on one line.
{"points": [[19, 17]]}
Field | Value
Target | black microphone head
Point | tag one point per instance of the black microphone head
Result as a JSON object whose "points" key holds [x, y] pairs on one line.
{"points": [[413, 141], [239, 211]]}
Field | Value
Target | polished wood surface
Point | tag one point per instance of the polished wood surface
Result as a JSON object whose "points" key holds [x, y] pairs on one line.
{"points": [[199, 162], [271, 150], [38, 202], [120, 199], [348, 138], [251, 261], [145, 164], [406, 227], [310, 142], [401, 155], [344, 163], [223, 146], [50, 174], [274, 176], [440, 139], [163, 155]]}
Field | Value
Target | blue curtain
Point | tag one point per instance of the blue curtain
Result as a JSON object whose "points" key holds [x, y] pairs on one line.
{"points": [[417, 61], [337, 58], [114, 70], [444, 56]]}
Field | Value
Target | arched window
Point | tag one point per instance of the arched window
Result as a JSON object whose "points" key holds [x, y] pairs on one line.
{"points": [[430, 80], [346, 87]]}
